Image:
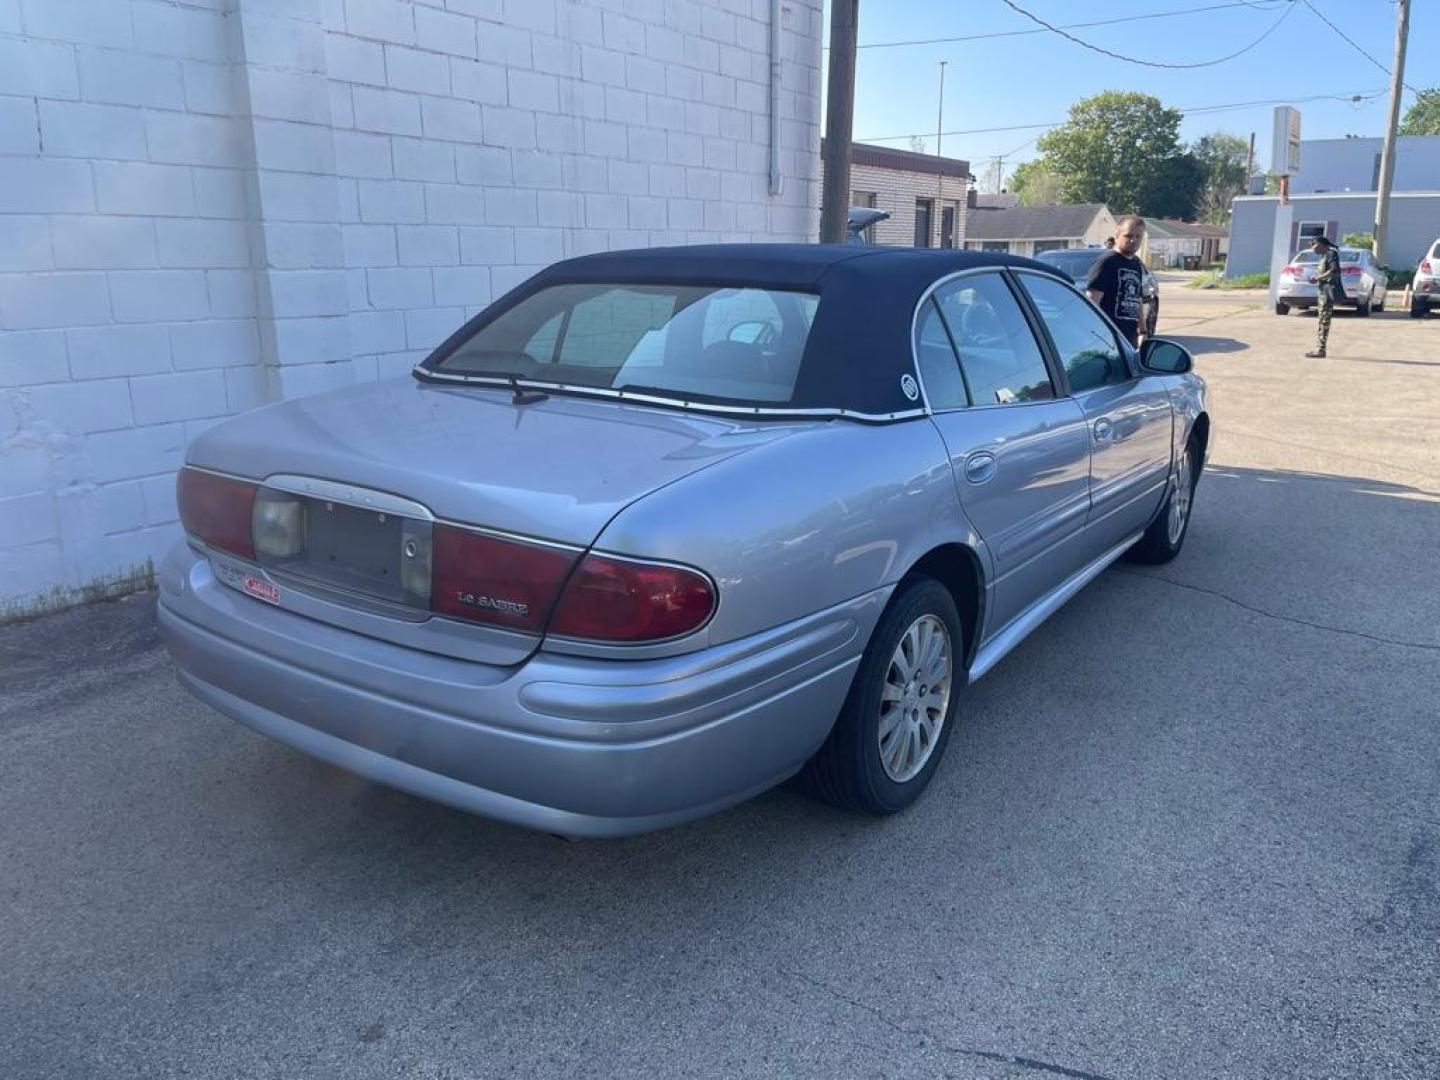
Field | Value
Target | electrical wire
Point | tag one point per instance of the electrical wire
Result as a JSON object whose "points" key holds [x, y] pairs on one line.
{"points": [[1289, 9], [1353, 43], [1066, 26]]}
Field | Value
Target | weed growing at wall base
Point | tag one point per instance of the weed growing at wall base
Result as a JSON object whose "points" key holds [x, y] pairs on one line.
{"points": [[136, 579]]}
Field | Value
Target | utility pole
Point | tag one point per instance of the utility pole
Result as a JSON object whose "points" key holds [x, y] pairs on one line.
{"points": [[839, 121], [1387, 154], [939, 214], [1249, 165]]}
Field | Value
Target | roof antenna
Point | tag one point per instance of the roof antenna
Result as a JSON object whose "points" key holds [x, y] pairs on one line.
{"points": [[525, 397]]}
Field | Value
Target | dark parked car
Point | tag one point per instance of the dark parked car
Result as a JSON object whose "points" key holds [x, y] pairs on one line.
{"points": [[1075, 263], [658, 529]]}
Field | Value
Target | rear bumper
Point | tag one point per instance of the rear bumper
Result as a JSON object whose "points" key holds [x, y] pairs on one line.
{"points": [[571, 745]]}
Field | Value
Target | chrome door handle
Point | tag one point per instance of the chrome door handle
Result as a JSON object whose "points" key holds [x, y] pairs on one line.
{"points": [[1103, 430], [979, 466]]}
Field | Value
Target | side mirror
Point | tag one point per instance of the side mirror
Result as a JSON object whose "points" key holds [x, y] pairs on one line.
{"points": [[1161, 357]]}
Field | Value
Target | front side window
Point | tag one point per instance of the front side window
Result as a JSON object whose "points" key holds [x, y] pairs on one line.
{"points": [[1086, 343], [705, 341], [1001, 360]]}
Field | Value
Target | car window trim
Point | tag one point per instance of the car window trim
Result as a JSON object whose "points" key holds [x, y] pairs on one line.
{"points": [[930, 291], [1126, 352]]}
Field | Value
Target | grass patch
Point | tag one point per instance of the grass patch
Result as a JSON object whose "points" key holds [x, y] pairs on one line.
{"points": [[1213, 280]]}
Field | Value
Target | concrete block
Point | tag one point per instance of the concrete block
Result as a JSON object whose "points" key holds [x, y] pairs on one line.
{"points": [[556, 56], [183, 139], [667, 181], [126, 78], [428, 245], [369, 245], [19, 127], [80, 408], [184, 32], [290, 147], [25, 244], [159, 295], [538, 15], [209, 88], [505, 278], [144, 189], [37, 69], [187, 395], [462, 287], [92, 242], [645, 75], [412, 69], [559, 134], [204, 245], [488, 165], [284, 43], [684, 84], [539, 246], [476, 81], [354, 60], [445, 32], [377, 331], [426, 328], [389, 111], [73, 129], [624, 106], [342, 105], [212, 343], [644, 212], [399, 289], [297, 197], [649, 145], [510, 206], [537, 170], [109, 352], [80, 22], [302, 246], [39, 187], [423, 159], [43, 301], [668, 114], [231, 292], [534, 91], [702, 184], [118, 507], [627, 178], [141, 451], [392, 202], [487, 246], [31, 358], [313, 341], [384, 20], [220, 193], [298, 294], [454, 204], [246, 388], [702, 55], [27, 471], [363, 155], [446, 118], [624, 34], [560, 209], [602, 67], [485, 9], [606, 212], [508, 46], [27, 519], [348, 192], [701, 119], [285, 95], [686, 215], [158, 493], [604, 139]]}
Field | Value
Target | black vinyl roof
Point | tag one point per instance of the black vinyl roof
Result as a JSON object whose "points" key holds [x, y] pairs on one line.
{"points": [[859, 350]]}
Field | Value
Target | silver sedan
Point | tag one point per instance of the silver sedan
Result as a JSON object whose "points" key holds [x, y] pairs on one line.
{"points": [[661, 529]]}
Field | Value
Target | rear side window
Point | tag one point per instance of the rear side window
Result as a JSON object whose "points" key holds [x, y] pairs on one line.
{"points": [[1001, 360], [733, 344], [939, 370], [1086, 343]]}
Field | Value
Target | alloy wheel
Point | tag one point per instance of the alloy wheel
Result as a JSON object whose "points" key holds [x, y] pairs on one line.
{"points": [[1180, 502], [915, 698]]}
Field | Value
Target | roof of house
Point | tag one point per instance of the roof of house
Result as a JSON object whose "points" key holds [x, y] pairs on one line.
{"points": [[1065, 221], [1163, 227], [1005, 200], [886, 157]]}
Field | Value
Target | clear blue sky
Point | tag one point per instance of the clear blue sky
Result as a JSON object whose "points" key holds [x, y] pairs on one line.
{"points": [[1034, 79]]}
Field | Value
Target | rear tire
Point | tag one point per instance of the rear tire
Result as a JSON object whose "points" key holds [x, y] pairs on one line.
{"points": [[896, 722], [1362, 308], [1282, 309], [1165, 537], [1419, 309]]}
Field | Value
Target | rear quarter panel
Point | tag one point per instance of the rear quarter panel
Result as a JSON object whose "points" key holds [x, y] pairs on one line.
{"points": [[803, 524]]}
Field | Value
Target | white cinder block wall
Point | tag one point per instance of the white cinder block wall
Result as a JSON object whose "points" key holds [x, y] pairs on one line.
{"points": [[206, 205]]}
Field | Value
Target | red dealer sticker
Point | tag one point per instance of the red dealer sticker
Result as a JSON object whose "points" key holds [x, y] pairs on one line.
{"points": [[261, 589]]}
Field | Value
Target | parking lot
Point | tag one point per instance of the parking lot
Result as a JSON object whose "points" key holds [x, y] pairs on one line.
{"points": [[1190, 828]]}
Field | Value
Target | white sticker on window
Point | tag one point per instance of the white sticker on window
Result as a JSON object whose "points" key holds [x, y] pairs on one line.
{"points": [[909, 388]]}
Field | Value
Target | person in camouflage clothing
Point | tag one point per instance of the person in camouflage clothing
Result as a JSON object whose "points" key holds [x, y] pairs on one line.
{"points": [[1329, 291]]}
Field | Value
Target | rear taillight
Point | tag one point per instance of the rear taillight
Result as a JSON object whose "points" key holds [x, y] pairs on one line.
{"points": [[1424, 266], [216, 510], [1293, 271], [1350, 271], [495, 580], [621, 600]]}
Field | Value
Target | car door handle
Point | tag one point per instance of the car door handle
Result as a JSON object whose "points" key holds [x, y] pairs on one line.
{"points": [[979, 466], [1103, 429]]}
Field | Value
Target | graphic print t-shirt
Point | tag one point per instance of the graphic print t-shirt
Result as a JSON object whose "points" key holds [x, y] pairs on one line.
{"points": [[1117, 278]]}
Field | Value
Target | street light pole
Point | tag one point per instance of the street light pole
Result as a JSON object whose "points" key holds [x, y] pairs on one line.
{"points": [[1387, 153], [839, 121]]}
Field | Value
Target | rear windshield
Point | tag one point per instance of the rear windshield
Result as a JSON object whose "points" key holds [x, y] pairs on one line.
{"points": [[1074, 263], [704, 341]]}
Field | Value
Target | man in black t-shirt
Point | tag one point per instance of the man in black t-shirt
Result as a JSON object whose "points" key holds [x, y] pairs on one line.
{"points": [[1117, 277]]}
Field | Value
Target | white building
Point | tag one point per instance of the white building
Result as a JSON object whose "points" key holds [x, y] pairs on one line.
{"points": [[206, 205]]}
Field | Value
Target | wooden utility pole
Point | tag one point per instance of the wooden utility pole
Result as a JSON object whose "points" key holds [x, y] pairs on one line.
{"points": [[1387, 154], [839, 121], [1249, 164]]}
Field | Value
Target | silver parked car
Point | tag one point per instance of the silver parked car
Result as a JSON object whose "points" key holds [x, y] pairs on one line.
{"points": [[1363, 279], [660, 529], [1425, 285]]}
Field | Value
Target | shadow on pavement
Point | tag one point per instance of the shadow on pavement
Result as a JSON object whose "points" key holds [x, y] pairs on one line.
{"points": [[1201, 345]]}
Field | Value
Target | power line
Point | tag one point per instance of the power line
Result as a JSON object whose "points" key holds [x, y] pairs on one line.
{"points": [[1352, 42], [1066, 26], [1194, 110], [1149, 63]]}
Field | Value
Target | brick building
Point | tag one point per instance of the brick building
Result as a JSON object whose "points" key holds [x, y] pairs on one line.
{"points": [[206, 205], [923, 194]]}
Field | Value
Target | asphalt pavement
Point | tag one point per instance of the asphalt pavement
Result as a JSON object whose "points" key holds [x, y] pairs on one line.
{"points": [[1190, 828]]}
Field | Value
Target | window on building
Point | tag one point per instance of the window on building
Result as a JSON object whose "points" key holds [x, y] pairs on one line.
{"points": [[867, 199], [924, 210], [995, 245]]}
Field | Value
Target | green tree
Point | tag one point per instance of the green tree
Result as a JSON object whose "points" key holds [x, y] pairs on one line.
{"points": [[1423, 117], [1035, 184], [1222, 157], [1120, 148]]}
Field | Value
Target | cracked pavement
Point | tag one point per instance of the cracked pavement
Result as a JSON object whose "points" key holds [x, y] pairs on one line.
{"points": [[1188, 829]]}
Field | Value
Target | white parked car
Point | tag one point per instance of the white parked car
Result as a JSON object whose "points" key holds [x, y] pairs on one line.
{"points": [[1425, 286], [1363, 279]]}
